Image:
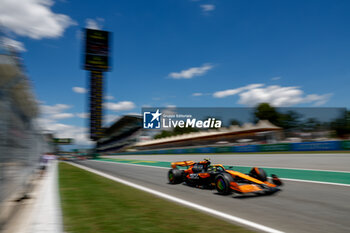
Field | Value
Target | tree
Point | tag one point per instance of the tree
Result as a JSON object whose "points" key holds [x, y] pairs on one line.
{"points": [[266, 112], [341, 126], [289, 120], [163, 134], [311, 125], [235, 122], [185, 130]]}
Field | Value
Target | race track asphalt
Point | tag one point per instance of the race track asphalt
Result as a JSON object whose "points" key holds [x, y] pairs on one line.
{"points": [[300, 207], [335, 161]]}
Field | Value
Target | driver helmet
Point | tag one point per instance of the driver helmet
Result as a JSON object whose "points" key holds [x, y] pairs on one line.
{"points": [[207, 160]]}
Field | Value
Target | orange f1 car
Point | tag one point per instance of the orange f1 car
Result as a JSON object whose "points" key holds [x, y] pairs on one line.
{"points": [[203, 174]]}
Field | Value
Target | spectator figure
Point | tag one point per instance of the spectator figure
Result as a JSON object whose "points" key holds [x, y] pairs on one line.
{"points": [[43, 164]]}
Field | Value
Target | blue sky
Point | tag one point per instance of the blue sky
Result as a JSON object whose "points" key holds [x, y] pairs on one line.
{"points": [[204, 53]]}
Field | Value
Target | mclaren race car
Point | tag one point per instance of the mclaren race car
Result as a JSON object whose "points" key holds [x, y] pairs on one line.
{"points": [[203, 174]]}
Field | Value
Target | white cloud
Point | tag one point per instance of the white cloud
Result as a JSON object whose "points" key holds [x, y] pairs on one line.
{"points": [[225, 93], [80, 90], [275, 95], [51, 114], [207, 7], [191, 72], [94, 23], [14, 44], [79, 134], [120, 106], [317, 99], [108, 97], [54, 109], [33, 18], [83, 115], [55, 112], [63, 115], [44, 122], [275, 78], [197, 94], [134, 113]]}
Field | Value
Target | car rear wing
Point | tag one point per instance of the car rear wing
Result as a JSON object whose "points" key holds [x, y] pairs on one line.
{"points": [[182, 164]]}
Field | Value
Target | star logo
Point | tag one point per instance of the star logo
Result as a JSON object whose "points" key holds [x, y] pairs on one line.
{"points": [[151, 119], [156, 115]]}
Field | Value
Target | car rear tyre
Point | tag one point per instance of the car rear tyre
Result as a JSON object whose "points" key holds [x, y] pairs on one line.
{"points": [[222, 183], [175, 176], [258, 173]]}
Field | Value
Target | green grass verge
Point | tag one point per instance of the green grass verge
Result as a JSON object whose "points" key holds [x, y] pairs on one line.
{"points": [[92, 203]]}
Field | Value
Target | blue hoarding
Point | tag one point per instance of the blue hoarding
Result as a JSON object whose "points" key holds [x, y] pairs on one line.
{"points": [[316, 146], [247, 148]]}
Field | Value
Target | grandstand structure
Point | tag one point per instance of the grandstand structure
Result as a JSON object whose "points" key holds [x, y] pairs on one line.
{"points": [[127, 134], [121, 134], [262, 132]]}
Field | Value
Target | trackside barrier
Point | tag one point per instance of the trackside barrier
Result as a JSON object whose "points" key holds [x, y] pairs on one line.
{"points": [[275, 147], [301, 146], [345, 145], [223, 149], [316, 146], [247, 148]]}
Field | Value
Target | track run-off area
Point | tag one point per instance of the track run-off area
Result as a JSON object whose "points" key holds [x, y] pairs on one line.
{"points": [[314, 197]]}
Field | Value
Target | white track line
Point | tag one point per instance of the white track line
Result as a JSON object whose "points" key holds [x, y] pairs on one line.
{"points": [[132, 164], [316, 182], [292, 168], [296, 180], [183, 202]]}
